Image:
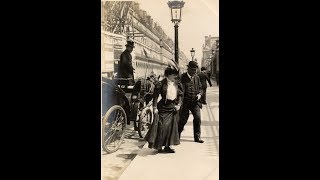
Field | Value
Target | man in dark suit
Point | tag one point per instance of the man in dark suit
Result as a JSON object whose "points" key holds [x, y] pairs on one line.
{"points": [[209, 73], [217, 78], [203, 79], [191, 100], [125, 65]]}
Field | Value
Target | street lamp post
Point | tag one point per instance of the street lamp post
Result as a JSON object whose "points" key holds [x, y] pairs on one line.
{"points": [[176, 8], [213, 62], [192, 51], [215, 57], [217, 62], [209, 61]]}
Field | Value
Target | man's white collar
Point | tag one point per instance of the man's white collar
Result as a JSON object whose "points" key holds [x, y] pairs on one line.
{"points": [[189, 75]]}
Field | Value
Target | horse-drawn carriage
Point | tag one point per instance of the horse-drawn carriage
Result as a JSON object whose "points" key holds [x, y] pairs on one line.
{"points": [[122, 104]]}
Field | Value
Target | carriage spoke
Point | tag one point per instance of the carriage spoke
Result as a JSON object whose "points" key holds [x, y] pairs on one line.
{"points": [[117, 128]]}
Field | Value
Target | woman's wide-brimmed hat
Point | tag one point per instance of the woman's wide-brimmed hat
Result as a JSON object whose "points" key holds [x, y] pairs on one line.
{"points": [[173, 65]]}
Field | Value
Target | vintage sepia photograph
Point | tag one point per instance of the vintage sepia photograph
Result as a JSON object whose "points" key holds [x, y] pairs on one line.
{"points": [[160, 90]]}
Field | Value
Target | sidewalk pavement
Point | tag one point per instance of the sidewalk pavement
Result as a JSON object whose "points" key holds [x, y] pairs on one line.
{"points": [[192, 161]]}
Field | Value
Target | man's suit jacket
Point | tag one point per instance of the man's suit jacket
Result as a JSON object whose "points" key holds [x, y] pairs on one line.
{"points": [[185, 79]]}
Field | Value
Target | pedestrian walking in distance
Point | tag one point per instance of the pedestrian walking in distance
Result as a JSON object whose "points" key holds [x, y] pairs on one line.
{"points": [[217, 78], [164, 129], [191, 100], [203, 79]]}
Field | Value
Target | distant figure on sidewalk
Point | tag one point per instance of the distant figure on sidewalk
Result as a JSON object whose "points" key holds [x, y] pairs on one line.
{"points": [[217, 78], [164, 129], [203, 79], [125, 65], [191, 100], [209, 74]]}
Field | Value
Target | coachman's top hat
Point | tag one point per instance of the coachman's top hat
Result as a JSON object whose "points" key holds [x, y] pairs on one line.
{"points": [[193, 64], [130, 43]]}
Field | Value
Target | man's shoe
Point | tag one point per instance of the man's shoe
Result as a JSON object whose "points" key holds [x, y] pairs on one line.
{"points": [[199, 141]]}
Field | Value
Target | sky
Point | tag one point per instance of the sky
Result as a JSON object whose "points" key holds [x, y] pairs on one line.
{"points": [[199, 18]]}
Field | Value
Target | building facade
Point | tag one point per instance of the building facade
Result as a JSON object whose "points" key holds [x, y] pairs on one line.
{"points": [[121, 20], [210, 54]]}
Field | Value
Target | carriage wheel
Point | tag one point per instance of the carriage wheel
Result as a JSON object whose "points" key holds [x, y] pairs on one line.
{"points": [[144, 123], [113, 128]]}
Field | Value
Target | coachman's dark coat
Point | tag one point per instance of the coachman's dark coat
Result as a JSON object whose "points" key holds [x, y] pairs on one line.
{"points": [[125, 65]]}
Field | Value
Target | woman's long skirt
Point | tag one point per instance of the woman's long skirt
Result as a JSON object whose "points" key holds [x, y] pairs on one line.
{"points": [[164, 129]]}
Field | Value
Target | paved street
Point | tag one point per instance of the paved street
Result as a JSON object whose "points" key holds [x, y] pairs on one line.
{"points": [[115, 163], [194, 161]]}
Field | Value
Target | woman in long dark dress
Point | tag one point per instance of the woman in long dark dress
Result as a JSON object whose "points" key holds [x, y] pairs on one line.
{"points": [[164, 130]]}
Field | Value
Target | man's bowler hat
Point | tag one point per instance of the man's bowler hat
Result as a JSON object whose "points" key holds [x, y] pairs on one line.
{"points": [[193, 64]]}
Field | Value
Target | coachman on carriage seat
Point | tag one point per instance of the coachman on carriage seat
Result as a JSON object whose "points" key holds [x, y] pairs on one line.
{"points": [[125, 64]]}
